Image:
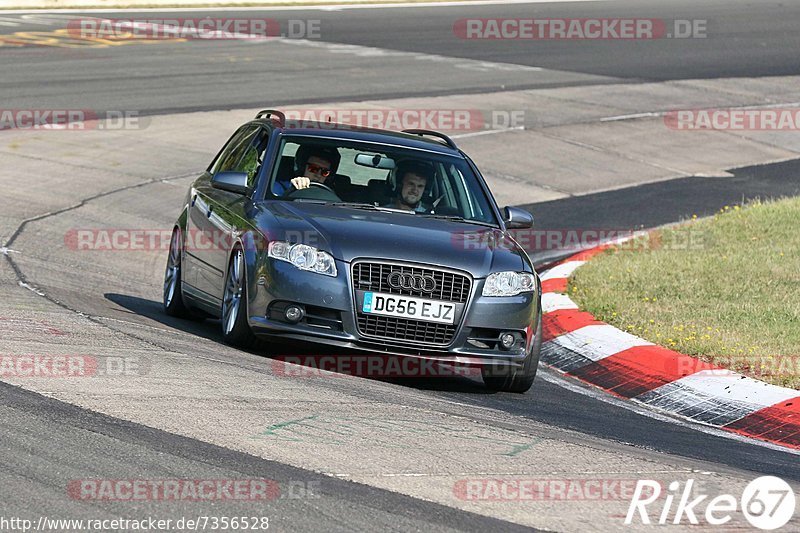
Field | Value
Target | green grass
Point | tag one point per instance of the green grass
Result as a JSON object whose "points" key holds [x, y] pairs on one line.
{"points": [[725, 289]]}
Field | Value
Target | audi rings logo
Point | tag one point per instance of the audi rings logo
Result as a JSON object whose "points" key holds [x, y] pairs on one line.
{"points": [[411, 282]]}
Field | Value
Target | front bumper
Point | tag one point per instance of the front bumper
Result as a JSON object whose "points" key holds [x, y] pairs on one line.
{"points": [[331, 319]]}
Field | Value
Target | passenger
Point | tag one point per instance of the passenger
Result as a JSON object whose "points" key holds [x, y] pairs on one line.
{"points": [[412, 177], [316, 163]]}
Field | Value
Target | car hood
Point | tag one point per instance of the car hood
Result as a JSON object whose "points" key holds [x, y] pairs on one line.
{"points": [[349, 234]]}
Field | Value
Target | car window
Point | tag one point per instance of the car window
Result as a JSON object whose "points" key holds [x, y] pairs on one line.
{"points": [[361, 175], [224, 155], [240, 154], [366, 174], [252, 158]]}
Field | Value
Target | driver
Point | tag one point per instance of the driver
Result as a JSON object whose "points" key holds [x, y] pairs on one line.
{"points": [[318, 164], [412, 178]]}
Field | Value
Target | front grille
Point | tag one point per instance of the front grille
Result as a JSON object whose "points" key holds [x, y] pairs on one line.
{"points": [[450, 286], [390, 327]]}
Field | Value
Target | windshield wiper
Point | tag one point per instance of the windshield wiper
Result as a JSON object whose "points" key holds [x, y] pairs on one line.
{"points": [[456, 218], [305, 200], [355, 205]]}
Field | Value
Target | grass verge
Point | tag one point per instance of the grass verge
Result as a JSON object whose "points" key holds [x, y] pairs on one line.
{"points": [[725, 289]]}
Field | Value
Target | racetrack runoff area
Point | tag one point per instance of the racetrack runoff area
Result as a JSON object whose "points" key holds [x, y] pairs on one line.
{"points": [[683, 288], [576, 141]]}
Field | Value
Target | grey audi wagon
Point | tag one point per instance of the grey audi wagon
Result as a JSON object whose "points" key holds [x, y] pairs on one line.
{"points": [[369, 240]]}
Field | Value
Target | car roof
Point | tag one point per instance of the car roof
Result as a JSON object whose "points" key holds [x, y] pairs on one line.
{"points": [[358, 133]]}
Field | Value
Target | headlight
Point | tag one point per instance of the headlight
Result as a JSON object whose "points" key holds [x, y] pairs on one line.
{"points": [[509, 283], [303, 257]]}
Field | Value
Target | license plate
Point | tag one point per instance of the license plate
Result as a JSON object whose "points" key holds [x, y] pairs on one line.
{"points": [[377, 303]]}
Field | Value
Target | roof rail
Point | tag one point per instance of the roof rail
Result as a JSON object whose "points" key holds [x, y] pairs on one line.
{"points": [[448, 141], [272, 113]]}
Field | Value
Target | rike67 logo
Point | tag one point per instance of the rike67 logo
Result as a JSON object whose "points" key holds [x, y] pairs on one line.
{"points": [[767, 502]]}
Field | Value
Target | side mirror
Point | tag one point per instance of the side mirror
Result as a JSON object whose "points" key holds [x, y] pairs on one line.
{"points": [[516, 218], [235, 182]]}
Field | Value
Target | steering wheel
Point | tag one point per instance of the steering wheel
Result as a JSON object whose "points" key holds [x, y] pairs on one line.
{"points": [[316, 191], [322, 186]]}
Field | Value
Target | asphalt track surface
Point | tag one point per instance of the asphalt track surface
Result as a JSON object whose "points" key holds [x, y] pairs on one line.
{"points": [[655, 204], [171, 79], [32, 425], [744, 38]]}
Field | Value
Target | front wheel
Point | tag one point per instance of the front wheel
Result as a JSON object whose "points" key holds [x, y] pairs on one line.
{"points": [[172, 293], [235, 329], [520, 380]]}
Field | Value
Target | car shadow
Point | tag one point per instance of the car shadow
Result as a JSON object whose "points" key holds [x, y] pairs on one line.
{"points": [[154, 310], [443, 377]]}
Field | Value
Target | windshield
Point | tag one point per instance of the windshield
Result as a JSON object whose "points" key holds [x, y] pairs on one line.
{"points": [[367, 175]]}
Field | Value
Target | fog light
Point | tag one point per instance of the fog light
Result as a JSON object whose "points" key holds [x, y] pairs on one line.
{"points": [[507, 340], [294, 314]]}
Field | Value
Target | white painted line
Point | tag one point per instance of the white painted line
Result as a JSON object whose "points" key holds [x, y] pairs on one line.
{"points": [[564, 270], [598, 341], [662, 113], [317, 7], [552, 301], [38, 19], [713, 398], [572, 385], [49, 16], [371, 51], [448, 4], [44, 19], [734, 387], [31, 288], [487, 132], [631, 116]]}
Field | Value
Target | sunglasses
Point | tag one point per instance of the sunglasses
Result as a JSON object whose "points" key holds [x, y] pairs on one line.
{"points": [[316, 169]]}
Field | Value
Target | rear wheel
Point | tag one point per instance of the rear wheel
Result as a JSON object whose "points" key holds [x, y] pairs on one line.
{"points": [[173, 294], [235, 329], [509, 379]]}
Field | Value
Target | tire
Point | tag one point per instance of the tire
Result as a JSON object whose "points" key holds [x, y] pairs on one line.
{"points": [[172, 294], [519, 380], [235, 329]]}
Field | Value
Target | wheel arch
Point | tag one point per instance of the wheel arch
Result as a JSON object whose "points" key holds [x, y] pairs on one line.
{"points": [[248, 244]]}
